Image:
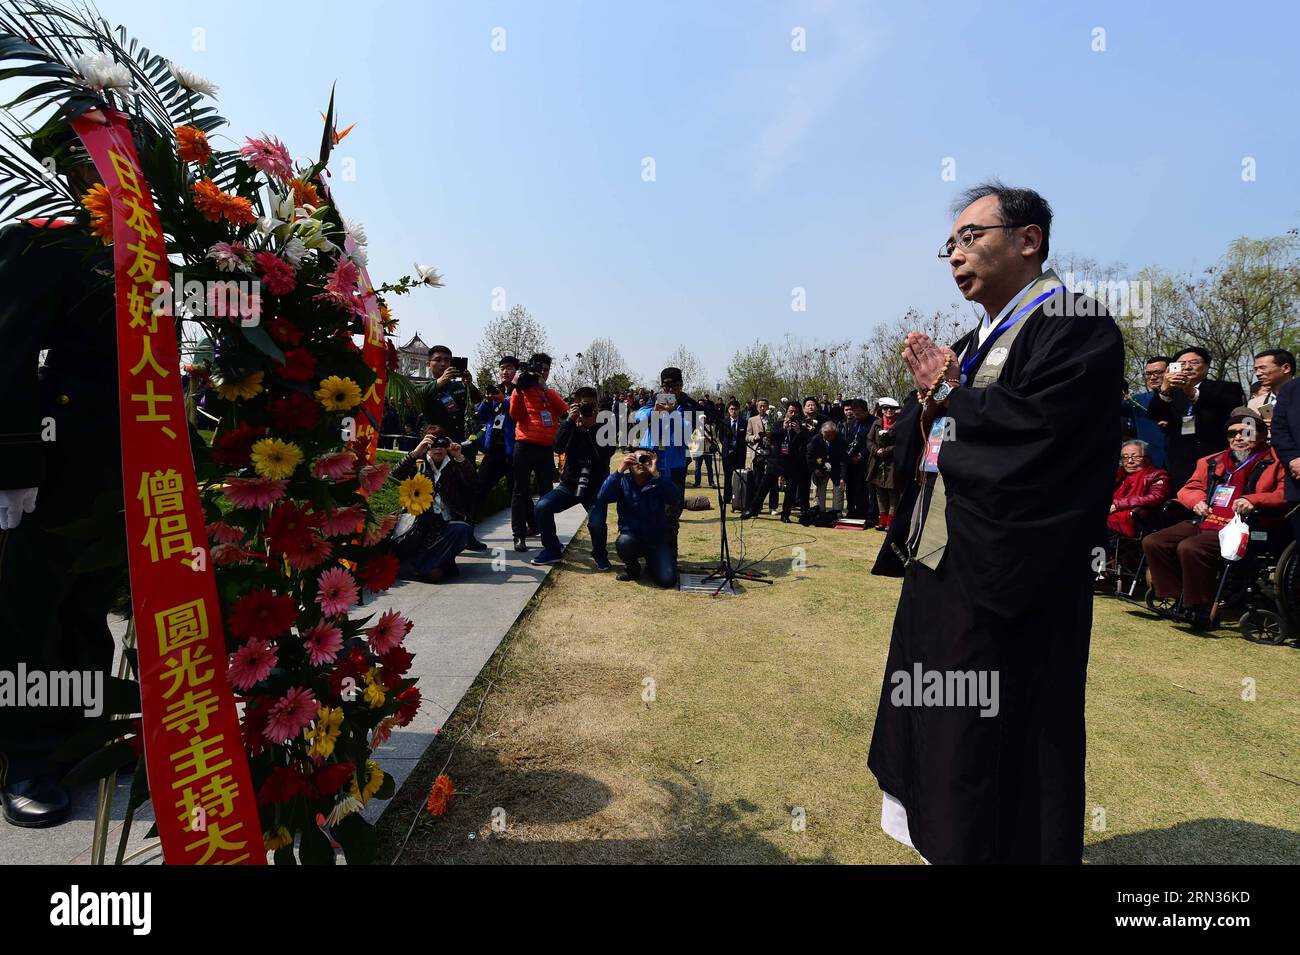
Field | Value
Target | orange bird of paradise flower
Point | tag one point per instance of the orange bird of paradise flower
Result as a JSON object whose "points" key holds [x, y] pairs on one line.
{"points": [[338, 137]]}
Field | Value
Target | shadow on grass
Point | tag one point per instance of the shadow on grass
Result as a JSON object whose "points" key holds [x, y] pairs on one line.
{"points": [[694, 828], [1200, 842]]}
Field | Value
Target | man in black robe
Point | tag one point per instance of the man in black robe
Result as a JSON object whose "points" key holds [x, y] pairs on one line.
{"points": [[1004, 482], [62, 537]]}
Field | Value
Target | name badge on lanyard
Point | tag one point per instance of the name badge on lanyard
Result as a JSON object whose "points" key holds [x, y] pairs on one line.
{"points": [[1223, 495], [1189, 422], [933, 444], [547, 419], [498, 422]]}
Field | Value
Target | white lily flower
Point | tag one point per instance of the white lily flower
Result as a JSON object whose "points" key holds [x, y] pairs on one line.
{"points": [[192, 81], [103, 73], [428, 275], [312, 233]]}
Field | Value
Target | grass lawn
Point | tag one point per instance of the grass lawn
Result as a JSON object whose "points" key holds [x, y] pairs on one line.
{"points": [[763, 707]]}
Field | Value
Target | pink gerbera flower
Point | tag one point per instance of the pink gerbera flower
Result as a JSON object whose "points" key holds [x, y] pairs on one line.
{"points": [[314, 554], [373, 476], [341, 288], [346, 520], [334, 466], [377, 532], [290, 715], [219, 532], [337, 593], [223, 555], [323, 642], [254, 492], [277, 274], [388, 632], [268, 155], [251, 663]]}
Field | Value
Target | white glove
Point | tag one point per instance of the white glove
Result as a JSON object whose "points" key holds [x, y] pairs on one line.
{"points": [[14, 504]]}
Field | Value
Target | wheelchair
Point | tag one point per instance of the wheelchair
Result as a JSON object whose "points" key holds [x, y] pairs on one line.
{"points": [[1261, 591], [1124, 568]]}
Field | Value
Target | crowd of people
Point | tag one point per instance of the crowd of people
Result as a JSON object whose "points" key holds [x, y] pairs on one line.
{"points": [[1197, 454], [829, 459]]}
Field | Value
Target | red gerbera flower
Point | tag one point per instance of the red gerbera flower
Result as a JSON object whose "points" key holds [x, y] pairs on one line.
{"points": [[277, 274], [284, 331], [299, 365], [234, 448], [395, 663], [380, 573], [290, 528], [408, 703], [281, 786], [329, 780], [298, 412], [262, 614]]}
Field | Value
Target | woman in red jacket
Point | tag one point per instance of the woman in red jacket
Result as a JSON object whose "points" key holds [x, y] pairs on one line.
{"points": [[1138, 484]]}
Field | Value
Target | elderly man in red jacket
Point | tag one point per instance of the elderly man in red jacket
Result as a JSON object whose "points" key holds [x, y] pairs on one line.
{"points": [[1246, 479], [1140, 488]]}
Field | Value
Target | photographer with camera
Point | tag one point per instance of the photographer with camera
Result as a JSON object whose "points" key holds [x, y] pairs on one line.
{"points": [[785, 464], [536, 411], [498, 431], [586, 465], [449, 396], [429, 545], [857, 428], [645, 497], [668, 425]]}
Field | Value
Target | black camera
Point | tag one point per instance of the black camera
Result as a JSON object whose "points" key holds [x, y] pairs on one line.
{"points": [[460, 364], [532, 373], [587, 409], [584, 480], [644, 459], [441, 443]]}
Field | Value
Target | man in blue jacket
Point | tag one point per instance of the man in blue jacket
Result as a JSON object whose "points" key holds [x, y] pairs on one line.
{"points": [[498, 432], [644, 498]]}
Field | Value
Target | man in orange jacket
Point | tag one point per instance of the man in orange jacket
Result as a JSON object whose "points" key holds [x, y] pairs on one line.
{"points": [[1246, 479]]}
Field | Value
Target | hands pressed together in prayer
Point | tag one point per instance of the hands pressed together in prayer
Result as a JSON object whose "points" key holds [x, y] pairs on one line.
{"points": [[926, 360]]}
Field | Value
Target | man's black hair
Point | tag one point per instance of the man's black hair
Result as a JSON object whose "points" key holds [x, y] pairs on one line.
{"points": [[856, 403], [812, 398], [1195, 350], [510, 360], [1019, 207], [1164, 358], [733, 403], [586, 391], [1280, 356], [542, 357], [440, 348], [670, 374]]}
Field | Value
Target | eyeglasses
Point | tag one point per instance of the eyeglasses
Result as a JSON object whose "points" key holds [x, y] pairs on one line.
{"points": [[967, 236], [1132, 457]]}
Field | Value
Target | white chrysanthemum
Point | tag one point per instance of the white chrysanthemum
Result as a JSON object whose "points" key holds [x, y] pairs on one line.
{"points": [[428, 275], [360, 256], [294, 251], [102, 73], [355, 231], [192, 81]]}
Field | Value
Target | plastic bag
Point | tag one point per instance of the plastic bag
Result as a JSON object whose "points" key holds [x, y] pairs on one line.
{"points": [[1234, 537]]}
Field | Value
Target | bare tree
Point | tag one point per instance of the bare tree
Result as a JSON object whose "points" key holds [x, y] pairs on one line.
{"points": [[694, 376], [515, 333], [598, 363]]}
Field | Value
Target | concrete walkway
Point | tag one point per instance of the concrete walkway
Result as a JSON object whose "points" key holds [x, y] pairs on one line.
{"points": [[458, 626]]}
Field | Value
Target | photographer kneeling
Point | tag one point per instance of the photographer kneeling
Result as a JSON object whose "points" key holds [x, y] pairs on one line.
{"points": [[429, 546], [643, 496], [586, 465]]}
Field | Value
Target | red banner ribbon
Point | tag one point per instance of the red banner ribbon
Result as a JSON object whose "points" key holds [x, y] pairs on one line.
{"points": [[199, 781]]}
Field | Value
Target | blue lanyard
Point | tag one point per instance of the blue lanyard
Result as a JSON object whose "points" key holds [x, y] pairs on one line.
{"points": [[1227, 475], [978, 356]]}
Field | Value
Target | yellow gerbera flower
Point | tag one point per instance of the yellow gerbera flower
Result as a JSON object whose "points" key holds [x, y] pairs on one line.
{"points": [[338, 394], [374, 694], [415, 494], [325, 733], [245, 387], [373, 782], [275, 459], [277, 838]]}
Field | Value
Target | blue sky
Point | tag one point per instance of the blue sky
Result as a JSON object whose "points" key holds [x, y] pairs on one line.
{"points": [[774, 169]]}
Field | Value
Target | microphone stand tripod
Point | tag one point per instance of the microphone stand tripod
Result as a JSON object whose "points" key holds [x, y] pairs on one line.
{"points": [[726, 573]]}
